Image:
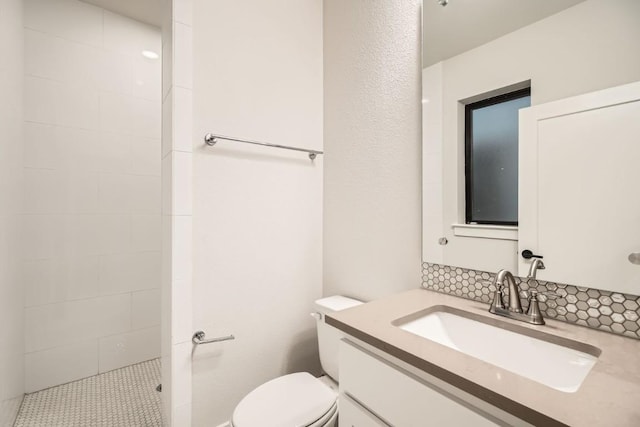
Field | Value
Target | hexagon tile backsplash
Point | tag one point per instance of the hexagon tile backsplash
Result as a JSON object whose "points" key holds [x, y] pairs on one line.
{"points": [[607, 311]]}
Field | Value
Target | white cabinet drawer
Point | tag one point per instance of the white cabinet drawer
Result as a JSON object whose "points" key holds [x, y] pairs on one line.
{"points": [[397, 397], [353, 415]]}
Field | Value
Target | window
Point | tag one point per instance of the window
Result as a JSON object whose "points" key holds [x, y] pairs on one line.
{"points": [[491, 162]]}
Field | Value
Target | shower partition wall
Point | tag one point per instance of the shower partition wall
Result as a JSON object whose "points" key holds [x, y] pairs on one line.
{"points": [[11, 322], [92, 233]]}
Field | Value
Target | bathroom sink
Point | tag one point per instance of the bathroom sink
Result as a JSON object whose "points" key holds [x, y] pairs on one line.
{"points": [[556, 362]]}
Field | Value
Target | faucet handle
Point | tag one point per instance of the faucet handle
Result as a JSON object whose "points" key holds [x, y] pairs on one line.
{"points": [[533, 311], [547, 294], [498, 300]]}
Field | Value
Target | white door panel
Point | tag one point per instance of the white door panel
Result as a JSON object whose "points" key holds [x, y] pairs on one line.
{"points": [[580, 205]]}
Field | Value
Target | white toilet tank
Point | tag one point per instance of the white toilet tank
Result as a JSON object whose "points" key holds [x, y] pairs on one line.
{"points": [[328, 336]]}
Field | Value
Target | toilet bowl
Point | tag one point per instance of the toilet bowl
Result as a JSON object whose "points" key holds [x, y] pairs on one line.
{"points": [[300, 399]]}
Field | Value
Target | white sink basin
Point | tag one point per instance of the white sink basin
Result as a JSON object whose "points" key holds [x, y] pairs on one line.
{"points": [[556, 362]]}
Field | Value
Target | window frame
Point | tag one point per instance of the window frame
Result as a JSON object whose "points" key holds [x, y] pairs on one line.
{"points": [[468, 158]]}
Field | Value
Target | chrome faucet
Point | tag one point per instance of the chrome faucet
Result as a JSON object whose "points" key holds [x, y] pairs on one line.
{"points": [[514, 292], [536, 265], [514, 310]]}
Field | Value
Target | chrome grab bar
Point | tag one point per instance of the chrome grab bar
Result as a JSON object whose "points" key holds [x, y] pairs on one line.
{"points": [[198, 338], [210, 139]]}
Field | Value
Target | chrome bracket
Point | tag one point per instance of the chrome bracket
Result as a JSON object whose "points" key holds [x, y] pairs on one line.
{"points": [[210, 139], [198, 338]]}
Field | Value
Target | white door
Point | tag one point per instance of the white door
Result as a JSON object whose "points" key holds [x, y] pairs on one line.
{"points": [[579, 188]]}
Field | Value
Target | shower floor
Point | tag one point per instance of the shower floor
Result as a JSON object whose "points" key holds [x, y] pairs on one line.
{"points": [[125, 397]]}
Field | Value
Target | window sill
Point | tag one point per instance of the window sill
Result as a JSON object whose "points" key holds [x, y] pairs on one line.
{"points": [[484, 231]]}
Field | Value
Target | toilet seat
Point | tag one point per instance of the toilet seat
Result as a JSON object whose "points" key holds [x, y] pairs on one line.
{"points": [[295, 400]]}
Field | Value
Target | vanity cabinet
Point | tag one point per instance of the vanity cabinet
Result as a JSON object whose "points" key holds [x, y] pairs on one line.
{"points": [[352, 414], [375, 392]]}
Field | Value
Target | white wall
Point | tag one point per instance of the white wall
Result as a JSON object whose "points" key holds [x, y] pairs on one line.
{"points": [[257, 213], [591, 46], [177, 82], [11, 295], [372, 129], [91, 259]]}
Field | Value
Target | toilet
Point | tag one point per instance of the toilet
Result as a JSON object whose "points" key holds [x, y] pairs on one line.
{"points": [[300, 399]]}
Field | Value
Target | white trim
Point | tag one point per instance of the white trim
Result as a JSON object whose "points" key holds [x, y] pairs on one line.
{"points": [[485, 231]]}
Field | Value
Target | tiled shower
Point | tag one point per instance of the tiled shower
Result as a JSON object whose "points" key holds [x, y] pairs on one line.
{"points": [[92, 192], [90, 244]]}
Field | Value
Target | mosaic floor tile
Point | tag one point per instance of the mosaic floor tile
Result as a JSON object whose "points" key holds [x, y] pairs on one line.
{"points": [[125, 397]]}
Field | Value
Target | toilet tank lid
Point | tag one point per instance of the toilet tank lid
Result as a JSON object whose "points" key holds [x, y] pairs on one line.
{"points": [[336, 303]]}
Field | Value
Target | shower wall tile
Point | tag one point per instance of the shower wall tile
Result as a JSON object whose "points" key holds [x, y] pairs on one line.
{"points": [[115, 113], [181, 184], [167, 181], [92, 167], [113, 234], [73, 20], [117, 73], [53, 325], [181, 365], [115, 193], [77, 192], [182, 415], [11, 137], [66, 149], [60, 365], [39, 234], [145, 194], [41, 147], [80, 149], [183, 11], [183, 54], [51, 102], [145, 309], [48, 281], [78, 64], [177, 190], [182, 311], [126, 349], [40, 188], [110, 153], [147, 79], [167, 125], [128, 115], [50, 191], [129, 37], [146, 233], [44, 55], [167, 55], [129, 272], [181, 261], [141, 162], [182, 120]]}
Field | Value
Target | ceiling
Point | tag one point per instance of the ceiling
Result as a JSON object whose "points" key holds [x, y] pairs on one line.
{"points": [[465, 24], [447, 31], [147, 11]]}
